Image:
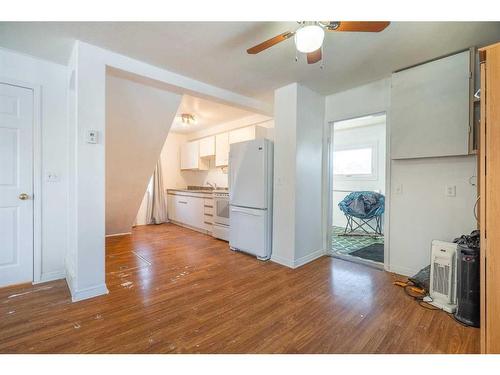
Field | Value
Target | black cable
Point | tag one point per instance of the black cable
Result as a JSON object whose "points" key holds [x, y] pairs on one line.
{"points": [[418, 298], [458, 321], [428, 306]]}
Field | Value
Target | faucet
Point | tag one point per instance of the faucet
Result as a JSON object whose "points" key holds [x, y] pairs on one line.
{"points": [[213, 186]]}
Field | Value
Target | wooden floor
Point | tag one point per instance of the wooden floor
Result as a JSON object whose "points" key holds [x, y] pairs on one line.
{"points": [[173, 290]]}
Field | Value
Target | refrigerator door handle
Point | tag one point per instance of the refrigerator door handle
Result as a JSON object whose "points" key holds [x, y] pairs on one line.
{"points": [[244, 211]]}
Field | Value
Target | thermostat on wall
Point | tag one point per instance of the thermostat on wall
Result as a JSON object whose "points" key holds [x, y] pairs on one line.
{"points": [[91, 136]]}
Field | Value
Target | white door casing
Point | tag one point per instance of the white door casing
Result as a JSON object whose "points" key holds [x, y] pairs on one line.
{"points": [[16, 179]]}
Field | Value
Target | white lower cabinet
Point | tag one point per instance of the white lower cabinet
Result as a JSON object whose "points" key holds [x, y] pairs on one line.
{"points": [[187, 210]]}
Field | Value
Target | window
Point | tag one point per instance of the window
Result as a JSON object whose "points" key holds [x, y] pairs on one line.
{"points": [[355, 162]]}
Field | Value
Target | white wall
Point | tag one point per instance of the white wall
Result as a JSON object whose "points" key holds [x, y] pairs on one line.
{"points": [[298, 235], [54, 136], [138, 118], [71, 259], [410, 234], [358, 136], [422, 211], [88, 212], [171, 162], [309, 237], [285, 137]]}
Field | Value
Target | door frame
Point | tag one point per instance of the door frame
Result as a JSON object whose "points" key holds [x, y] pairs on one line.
{"points": [[330, 128], [37, 173]]}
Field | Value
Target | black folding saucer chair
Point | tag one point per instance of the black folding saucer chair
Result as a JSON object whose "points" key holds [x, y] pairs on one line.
{"points": [[360, 209]]}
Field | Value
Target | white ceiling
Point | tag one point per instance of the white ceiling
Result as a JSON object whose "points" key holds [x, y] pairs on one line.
{"points": [[207, 114], [215, 52]]}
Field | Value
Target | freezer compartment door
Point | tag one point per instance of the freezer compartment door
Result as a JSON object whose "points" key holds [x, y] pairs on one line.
{"points": [[249, 173], [249, 231]]}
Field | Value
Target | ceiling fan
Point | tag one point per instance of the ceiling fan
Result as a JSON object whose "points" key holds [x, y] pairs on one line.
{"points": [[310, 35]]}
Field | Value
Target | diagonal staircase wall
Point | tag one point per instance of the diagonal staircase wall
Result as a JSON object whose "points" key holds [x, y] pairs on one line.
{"points": [[138, 119]]}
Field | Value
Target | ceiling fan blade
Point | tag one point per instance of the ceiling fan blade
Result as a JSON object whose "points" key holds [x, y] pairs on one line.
{"points": [[270, 42], [314, 57], [359, 26]]}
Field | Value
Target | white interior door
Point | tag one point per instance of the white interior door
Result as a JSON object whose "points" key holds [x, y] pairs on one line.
{"points": [[16, 184]]}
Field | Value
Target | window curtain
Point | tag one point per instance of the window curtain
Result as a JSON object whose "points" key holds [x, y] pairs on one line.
{"points": [[157, 206]]}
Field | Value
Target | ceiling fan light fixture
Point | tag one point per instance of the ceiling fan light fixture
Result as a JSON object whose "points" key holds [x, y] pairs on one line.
{"points": [[309, 38]]}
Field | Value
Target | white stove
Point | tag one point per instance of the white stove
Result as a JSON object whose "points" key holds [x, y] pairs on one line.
{"points": [[220, 227]]}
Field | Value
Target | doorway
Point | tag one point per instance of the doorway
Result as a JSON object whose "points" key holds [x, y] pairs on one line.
{"points": [[357, 189], [16, 184]]}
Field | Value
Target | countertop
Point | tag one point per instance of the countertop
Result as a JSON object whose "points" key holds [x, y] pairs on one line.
{"points": [[205, 192]]}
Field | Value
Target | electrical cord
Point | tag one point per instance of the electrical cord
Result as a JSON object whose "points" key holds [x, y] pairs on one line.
{"points": [[428, 306]]}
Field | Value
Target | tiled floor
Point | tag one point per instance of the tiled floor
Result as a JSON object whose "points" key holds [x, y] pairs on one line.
{"points": [[344, 245]]}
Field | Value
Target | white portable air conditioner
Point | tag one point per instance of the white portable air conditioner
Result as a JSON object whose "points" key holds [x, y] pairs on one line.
{"points": [[443, 283]]}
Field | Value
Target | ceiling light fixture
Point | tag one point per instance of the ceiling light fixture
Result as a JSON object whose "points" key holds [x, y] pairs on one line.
{"points": [[309, 38], [188, 119]]}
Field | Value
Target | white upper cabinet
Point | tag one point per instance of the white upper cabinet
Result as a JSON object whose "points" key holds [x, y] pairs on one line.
{"points": [[207, 147], [247, 134], [221, 149], [242, 135], [196, 155], [190, 156], [430, 109]]}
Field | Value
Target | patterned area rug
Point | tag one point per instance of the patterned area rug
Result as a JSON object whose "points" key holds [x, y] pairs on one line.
{"points": [[347, 244]]}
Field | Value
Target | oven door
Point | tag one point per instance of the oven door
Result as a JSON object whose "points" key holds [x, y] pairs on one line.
{"points": [[221, 211]]}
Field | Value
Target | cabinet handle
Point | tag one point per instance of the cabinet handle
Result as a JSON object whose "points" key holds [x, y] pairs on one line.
{"points": [[183, 202]]}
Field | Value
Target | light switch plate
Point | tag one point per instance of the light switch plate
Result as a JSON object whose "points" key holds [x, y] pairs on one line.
{"points": [[91, 136]]}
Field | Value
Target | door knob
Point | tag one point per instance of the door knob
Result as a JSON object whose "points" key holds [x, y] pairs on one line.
{"points": [[24, 196]]}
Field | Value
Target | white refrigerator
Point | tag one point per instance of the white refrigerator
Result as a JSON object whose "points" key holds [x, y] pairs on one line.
{"points": [[251, 197]]}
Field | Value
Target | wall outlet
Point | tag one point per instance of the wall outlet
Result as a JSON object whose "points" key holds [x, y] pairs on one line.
{"points": [[451, 190]]}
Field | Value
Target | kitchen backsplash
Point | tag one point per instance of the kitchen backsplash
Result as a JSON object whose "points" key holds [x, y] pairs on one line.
{"points": [[201, 178]]}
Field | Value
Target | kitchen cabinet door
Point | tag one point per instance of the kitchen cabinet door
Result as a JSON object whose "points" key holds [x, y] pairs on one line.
{"points": [[190, 157], [207, 147], [196, 214], [187, 210], [182, 207], [242, 135], [221, 149], [190, 154], [430, 109]]}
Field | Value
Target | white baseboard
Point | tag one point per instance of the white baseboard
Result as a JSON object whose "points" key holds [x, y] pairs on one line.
{"points": [[118, 234], [298, 262], [51, 276], [309, 258], [401, 270], [204, 231], [80, 295], [283, 261]]}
